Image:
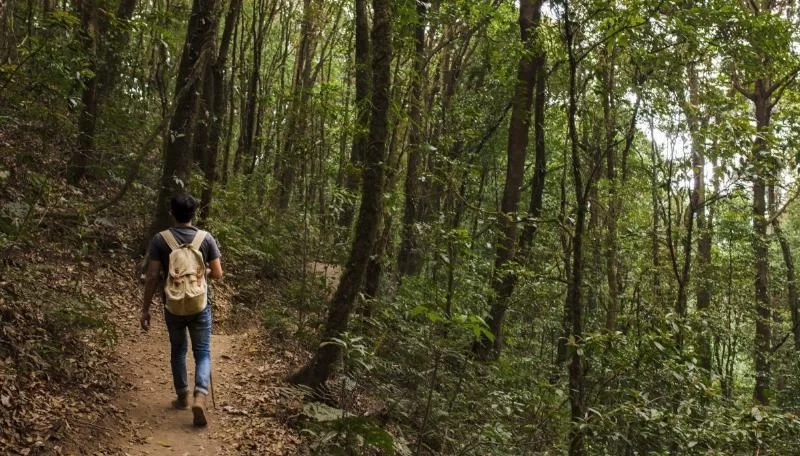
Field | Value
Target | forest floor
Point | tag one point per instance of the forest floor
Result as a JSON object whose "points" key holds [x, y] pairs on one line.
{"points": [[77, 374], [254, 409], [247, 394], [113, 398]]}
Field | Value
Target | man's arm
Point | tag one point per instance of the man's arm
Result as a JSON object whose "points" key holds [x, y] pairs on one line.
{"points": [[150, 283], [216, 269]]}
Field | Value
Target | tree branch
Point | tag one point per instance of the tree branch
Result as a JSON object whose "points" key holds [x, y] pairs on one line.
{"points": [[785, 206], [779, 87], [739, 88]]}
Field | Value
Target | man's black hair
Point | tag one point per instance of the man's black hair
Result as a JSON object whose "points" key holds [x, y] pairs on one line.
{"points": [[183, 207]]}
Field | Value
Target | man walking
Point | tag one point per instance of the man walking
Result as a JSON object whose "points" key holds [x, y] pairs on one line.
{"points": [[194, 254]]}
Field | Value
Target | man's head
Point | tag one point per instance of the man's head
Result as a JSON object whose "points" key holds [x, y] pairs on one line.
{"points": [[183, 207]]}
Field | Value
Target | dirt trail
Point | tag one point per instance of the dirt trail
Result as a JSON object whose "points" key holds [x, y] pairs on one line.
{"points": [[250, 406], [155, 428], [253, 405]]}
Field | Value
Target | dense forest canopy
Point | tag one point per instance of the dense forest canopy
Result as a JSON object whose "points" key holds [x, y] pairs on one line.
{"points": [[564, 226]]}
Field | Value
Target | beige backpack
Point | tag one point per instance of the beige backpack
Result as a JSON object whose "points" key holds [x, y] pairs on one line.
{"points": [[186, 288]]}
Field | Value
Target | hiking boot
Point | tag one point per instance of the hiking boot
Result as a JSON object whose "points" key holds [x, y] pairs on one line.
{"points": [[182, 402], [199, 409]]}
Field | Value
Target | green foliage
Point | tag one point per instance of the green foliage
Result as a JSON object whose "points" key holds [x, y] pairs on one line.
{"points": [[335, 430], [49, 64], [244, 233], [348, 435], [655, 82]]}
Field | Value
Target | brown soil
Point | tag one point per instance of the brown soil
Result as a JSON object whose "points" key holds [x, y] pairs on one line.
{"points": [[156, 428], [253, 406]]}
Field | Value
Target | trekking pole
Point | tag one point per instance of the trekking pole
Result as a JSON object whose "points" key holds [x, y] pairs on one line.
{"points": [[211, 384]]}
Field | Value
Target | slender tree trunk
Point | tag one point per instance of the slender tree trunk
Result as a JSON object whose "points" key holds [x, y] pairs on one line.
{"points": [[200, 136], [574, 301], [540, 167], [320, 368], [79, 162], [763, 337], [695, 121], [200, 36], [503, 280], [344, 160], [112, 48], [362, 97], [655, 251], [372, 278], [104, 47], [216, 102], [705, 287], [684, 275], [258, 142], [594, 228], [409, 259], [238, 31], [566, 251], [614, 204], [791, 281], [245, 149], [230, 90], [296, 123]]}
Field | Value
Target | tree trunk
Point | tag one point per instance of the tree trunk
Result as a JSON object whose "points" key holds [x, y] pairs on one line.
{"points": [[104, 47], [695, 121], [681, 306], [763, 337], [238, 56], [320, 368], [705, 287], [113, 46], [540, 167], [362, 96], [574, 301], [409, 259], [245, 148], [614, 204], [203, 122], [503, 281], [566, 250], [297, 122], [791, 281], [79, 161], [200, 36], [655, 251], [372, 279], [216, 102]]}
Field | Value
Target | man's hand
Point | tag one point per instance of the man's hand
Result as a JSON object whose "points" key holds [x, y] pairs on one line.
{"points": [[150, 282], [144, 320]]}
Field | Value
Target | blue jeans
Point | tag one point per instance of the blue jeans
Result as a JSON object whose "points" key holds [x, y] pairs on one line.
{"points": [[199, 327]]}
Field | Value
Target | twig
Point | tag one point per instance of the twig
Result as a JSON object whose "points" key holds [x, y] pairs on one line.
{"points": [[91, 425], [783, 208], [22, 63], [785, 338]]}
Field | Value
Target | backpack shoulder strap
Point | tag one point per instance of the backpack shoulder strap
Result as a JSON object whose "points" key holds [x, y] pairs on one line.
{"points": [[199, 237], [169, 238]]}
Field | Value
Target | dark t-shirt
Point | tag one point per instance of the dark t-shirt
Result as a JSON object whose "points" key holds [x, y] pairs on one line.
{"points": [[159, 250]]}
